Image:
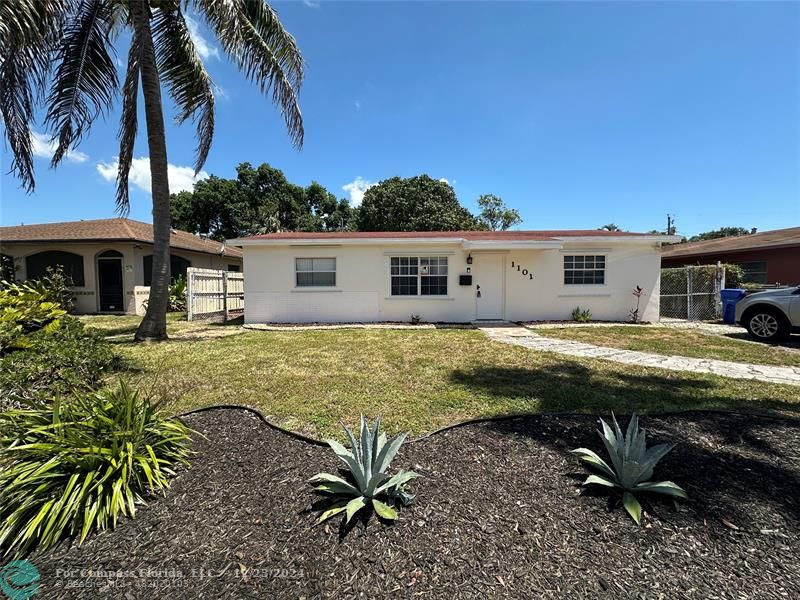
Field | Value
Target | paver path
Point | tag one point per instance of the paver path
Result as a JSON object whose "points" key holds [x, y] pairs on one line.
{"points": [[520, 336]]}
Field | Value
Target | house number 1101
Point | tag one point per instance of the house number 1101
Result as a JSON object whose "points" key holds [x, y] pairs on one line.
{"points": [[524, 272]]}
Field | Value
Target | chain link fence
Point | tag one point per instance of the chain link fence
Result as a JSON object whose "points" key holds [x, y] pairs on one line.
{"points": [[692, 293]]}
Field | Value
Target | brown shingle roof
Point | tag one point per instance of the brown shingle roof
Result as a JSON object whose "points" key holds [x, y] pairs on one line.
{"points": [[110, 230], [467, 235], [768, 239]]}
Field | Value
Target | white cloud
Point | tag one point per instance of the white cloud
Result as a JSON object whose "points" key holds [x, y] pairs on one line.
{"points": [[180, 178], [204, 48], [357, 104], [312, 3], [356, 189], [43, 147], [448, 182]]}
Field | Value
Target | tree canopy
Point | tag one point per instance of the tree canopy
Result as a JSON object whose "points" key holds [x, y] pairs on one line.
{"points": [[414, 204], [495, 215], [610, 227], [722, 232], [259, 200]]}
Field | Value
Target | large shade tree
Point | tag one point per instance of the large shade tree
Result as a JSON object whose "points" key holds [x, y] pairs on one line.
{"points": [[60, 53], [259, 200], [413, 204], [495, 215]]}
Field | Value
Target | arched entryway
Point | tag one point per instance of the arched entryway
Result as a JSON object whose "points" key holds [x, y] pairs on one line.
{"points": [[110, 286]]}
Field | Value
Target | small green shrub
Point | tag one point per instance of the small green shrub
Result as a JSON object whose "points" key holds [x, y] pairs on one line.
{"points": [[632, 465], [177, 295], [580, 315], [75, 467], [415, 319], [25, 309], [55, 286], [72, 358], [734, 276], [367, 482]]}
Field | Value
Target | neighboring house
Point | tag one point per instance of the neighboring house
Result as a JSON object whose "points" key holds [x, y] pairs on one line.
{"points": [[769, 257], [457, 276], [110, 261]]}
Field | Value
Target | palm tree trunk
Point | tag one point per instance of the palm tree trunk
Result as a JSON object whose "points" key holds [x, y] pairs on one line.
{"points": [[154, 324]]}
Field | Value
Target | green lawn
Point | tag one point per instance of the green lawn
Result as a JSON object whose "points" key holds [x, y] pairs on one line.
{"points": [[679, 342], [419, 379]]}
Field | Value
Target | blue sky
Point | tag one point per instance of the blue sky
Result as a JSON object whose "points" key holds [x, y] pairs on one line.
{"points": [[577, 114]]}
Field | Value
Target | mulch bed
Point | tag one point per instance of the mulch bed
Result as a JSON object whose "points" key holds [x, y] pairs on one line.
{"points": [[500, 513]]}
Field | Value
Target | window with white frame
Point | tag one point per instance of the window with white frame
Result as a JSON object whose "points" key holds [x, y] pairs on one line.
{"points": [[315, 272], [419, 276], [585, 269]]}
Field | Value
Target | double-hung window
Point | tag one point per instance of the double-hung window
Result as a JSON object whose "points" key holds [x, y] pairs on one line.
{"points": [[585, 270], [315, 272], [419, 276]]}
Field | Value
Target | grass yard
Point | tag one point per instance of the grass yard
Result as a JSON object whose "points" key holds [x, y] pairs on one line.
{"points": [[420, 380], [678, 342]]}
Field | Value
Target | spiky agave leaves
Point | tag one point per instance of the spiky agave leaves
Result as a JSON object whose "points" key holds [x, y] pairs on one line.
{"points": [[632, 465], [367, 462]]}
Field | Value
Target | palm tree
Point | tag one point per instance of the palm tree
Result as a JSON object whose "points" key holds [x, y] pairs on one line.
{"points": [[59, 53]]}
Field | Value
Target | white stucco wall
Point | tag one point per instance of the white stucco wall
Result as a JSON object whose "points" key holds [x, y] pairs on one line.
{"points": [[86, 297], [362, 291]]}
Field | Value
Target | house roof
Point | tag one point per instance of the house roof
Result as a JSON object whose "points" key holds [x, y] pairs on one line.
{"points": [[499, 236], [768, 239], [469, 240], [108, 230]]}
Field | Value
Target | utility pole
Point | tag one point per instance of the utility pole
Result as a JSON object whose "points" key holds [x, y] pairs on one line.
{"points": [[670, 225]]}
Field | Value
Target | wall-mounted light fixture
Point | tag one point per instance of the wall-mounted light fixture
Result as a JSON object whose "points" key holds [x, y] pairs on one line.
{"points": [[469, 259]]}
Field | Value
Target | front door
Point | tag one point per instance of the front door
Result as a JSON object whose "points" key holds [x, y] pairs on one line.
{"points": [[109, 279], [488, 273]]}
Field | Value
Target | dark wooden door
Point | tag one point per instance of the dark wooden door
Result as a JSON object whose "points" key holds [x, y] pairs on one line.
{"points": [[109, 274]]}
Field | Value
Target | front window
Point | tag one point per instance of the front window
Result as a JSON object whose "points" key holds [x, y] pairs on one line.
{"points": [[585, 270], [315, 272], [177, 268], [419, 275], [754, 272], [36, 265]]}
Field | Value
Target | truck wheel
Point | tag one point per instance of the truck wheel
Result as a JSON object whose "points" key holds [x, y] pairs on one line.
{"points": [[767, 325]]}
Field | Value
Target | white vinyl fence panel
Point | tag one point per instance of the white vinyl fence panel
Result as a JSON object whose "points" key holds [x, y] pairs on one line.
{"points": [[212, 294]]}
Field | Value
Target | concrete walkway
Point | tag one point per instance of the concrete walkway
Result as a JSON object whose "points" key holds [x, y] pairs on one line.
{"points": [[521, 336]]}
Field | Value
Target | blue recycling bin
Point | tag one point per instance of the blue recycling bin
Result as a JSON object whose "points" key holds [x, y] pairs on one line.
{"points": [[729, 299]]}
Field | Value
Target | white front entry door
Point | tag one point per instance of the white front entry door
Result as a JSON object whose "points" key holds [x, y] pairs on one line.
{"points": [[488, 274]]}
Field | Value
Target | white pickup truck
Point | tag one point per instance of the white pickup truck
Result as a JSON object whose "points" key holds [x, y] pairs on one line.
{"points": [[772, 315]]}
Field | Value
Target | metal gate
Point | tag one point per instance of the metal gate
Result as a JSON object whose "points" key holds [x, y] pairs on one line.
{"points": [[212, 294], [692, 293]]}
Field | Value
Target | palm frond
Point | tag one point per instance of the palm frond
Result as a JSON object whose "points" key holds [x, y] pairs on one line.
{"points": [[128, 124], [85, 79], [254, 38], [182, 71], [29, 34]]}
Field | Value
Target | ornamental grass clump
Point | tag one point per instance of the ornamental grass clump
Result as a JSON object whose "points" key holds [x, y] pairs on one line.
{"points": [[77, 466], [366, 481], [632, 465]]}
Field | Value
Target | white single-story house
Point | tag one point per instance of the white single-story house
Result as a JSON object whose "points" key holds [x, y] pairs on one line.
{"points": [[456, 276], [110, 261]]}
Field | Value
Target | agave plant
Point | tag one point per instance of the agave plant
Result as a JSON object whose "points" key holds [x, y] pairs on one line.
{"points": [[632, 465], [367, 482]]}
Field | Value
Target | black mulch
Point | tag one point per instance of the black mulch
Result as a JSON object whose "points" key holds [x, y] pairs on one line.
{"points": [[500, 513]]}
